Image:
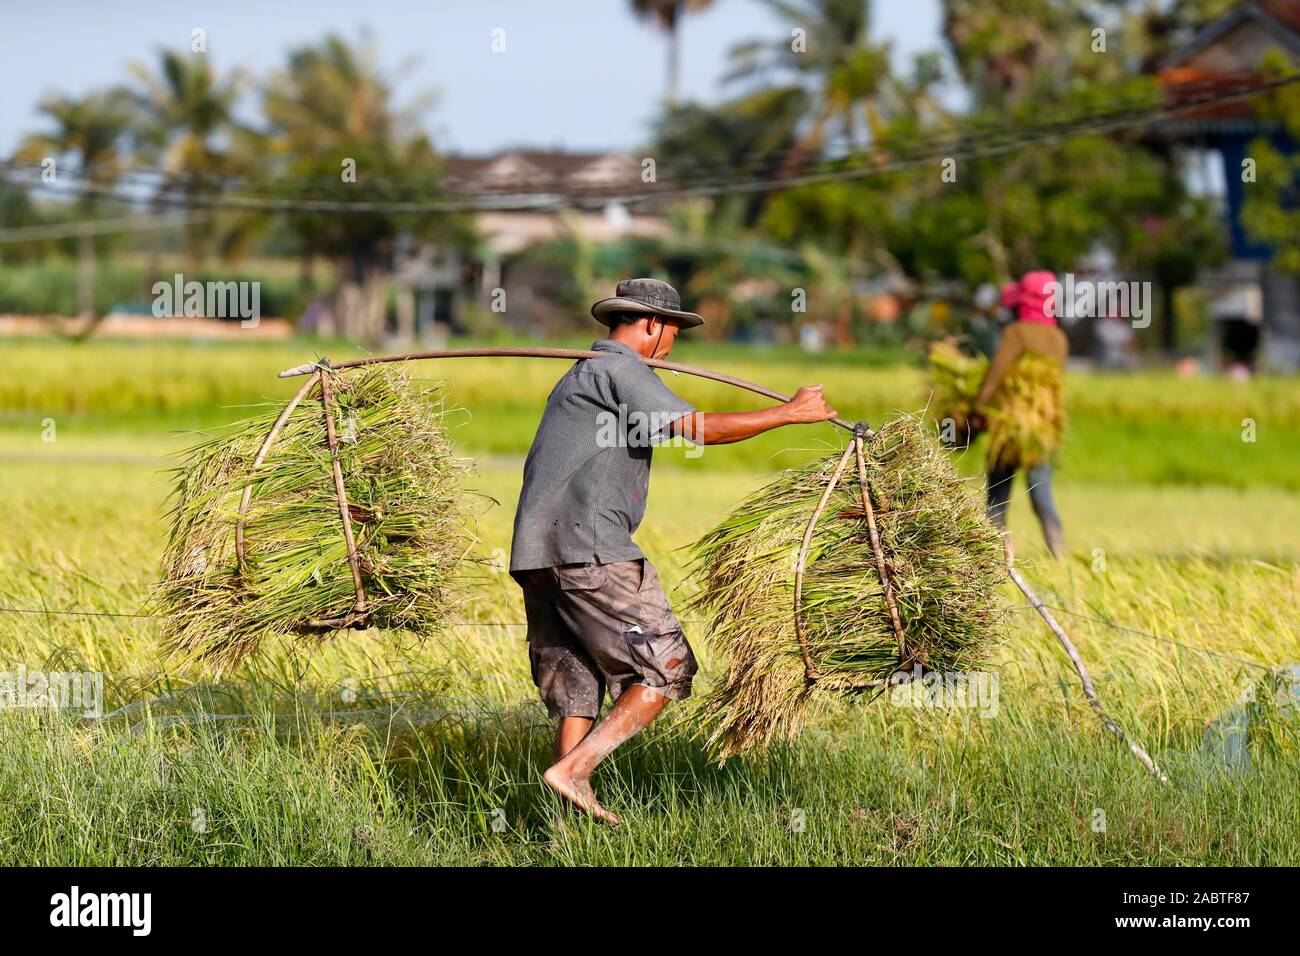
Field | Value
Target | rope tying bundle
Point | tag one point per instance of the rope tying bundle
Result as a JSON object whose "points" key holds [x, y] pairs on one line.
{"points": [[861, 433]]}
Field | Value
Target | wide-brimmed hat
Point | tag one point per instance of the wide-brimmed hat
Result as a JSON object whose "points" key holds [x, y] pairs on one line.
{"points": [[647, 296]]}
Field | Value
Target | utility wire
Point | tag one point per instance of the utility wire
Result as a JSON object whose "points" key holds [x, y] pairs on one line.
{"points": [[960, 146], [70, 613], [1156, 637], [130, 614], [774, 158], [100, 227], [1201, 649]]}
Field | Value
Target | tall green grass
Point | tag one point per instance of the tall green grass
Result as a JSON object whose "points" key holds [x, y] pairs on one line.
{"points": [[920, 789]]}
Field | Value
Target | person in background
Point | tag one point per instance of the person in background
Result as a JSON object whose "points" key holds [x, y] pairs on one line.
{"points": [[989, 318], [1034, 331]]}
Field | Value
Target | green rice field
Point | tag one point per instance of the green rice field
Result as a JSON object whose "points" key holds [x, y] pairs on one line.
{"points": [[1181, 500]]}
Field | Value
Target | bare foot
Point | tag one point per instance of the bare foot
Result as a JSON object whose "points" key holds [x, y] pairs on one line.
{"points": [[579, 793]]}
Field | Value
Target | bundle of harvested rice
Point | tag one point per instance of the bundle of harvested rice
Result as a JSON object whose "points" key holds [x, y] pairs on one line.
{"points": [[274, 495], [938, 563], [955, 379], [1025, 416]]}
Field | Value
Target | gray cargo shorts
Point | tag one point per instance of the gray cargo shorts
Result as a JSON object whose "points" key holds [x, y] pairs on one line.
{"points": [[593, 626]]}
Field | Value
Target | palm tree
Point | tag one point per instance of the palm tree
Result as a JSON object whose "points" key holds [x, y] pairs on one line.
{"points": [[667, 15], [331, 104], [186, 128], [836, 63], [91, 131], [1001, 46]]}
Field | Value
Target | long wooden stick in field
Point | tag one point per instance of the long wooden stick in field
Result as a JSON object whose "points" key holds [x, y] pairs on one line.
{"points": [[1084, 678], [308, 368]]}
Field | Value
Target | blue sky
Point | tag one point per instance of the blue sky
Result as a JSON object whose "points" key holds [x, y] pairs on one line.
{"points": [[582, 74]]}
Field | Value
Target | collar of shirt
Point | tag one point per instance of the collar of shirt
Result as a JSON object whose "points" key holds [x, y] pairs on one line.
{"points": [[609, 345]]}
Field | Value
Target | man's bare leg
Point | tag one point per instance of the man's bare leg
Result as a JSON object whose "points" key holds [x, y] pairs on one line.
{"points": [[571, 732], [570, 777]]}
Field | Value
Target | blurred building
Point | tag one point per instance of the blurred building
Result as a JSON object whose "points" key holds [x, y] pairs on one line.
{"points": [[543, 195], [594, 181], [1253, 305]]}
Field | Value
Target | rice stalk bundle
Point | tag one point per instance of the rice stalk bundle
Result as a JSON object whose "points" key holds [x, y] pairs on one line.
{"points": [[955, 380], [942, 557], [409, 516], [1026, 416]]}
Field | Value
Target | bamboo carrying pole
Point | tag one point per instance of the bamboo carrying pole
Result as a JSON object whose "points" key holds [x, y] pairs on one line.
{"points": [[310, 367], [321, 370], [1088, 691]]}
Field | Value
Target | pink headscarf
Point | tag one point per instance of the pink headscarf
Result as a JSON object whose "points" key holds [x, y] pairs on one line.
{"points": [[1032, 300]]}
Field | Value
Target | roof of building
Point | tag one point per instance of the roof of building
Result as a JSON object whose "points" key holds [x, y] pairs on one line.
{"points": [[528, 170], [1224, 57], [1269, 20]]}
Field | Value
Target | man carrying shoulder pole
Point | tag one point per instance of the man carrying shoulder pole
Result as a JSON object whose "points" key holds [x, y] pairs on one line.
{"points": [[597, 614]]}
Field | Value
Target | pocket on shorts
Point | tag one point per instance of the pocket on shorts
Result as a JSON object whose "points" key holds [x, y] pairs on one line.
{"points": [[581, 577], [657, 616], [664, 660]]}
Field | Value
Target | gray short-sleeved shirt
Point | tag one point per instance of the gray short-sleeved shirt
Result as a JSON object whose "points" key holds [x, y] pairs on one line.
{"points": [[588, 472]]}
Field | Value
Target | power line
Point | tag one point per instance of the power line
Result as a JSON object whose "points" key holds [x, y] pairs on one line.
{"points": [[445, 180], [957, 146], [100, 227]]}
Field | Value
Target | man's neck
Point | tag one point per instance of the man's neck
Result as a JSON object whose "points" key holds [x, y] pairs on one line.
{"points": [[637, 344]]}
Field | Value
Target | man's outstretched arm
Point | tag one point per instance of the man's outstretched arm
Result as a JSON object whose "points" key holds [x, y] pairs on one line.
{"points": [[721, 428]]}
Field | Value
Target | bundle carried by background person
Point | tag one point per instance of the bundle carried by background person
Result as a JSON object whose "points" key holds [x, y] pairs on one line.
{"points": [[1024, 421], [1017, 396]]}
